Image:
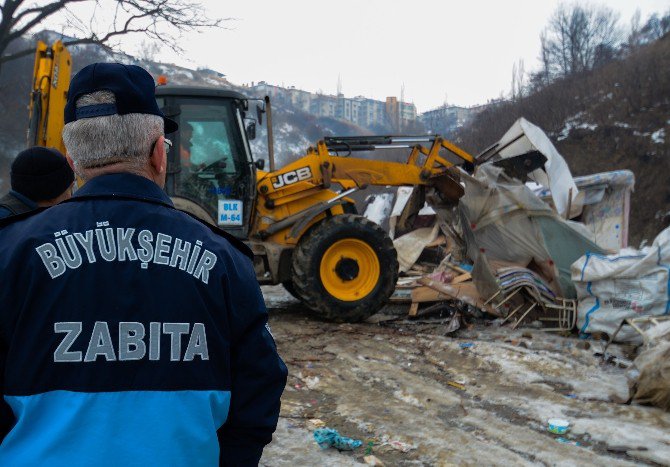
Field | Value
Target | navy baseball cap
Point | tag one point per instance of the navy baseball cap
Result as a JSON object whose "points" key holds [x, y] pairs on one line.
{"points": [[132, 86]]}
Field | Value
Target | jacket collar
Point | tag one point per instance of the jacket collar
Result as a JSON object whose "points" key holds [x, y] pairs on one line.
{"points": [[24, 199], [124, 185]]}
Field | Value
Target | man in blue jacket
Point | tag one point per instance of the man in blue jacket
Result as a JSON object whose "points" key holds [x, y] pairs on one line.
{"points": [[130, 332], [40, 177]]}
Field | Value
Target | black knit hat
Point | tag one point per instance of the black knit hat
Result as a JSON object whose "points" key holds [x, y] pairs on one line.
{"points": [[41, 173]]}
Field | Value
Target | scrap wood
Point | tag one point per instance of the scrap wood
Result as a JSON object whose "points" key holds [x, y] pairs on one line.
{"points": [[401, 295], [422, 268], [462, 278], [454, 267], [423, 294], [426, 294], [440, 240], [465, 292]]}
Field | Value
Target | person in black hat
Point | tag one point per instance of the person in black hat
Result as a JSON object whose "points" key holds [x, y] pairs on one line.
{"points": [[130, 332], [40, 177]]}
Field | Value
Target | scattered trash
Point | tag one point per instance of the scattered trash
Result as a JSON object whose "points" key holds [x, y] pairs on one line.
{"points": [[583, 344], [368, 449], [625, 449], [315, 423], [328, 437], [558, 426], [568, 441], [652, 366], [311, 382], [372, 460], [456, 385], [466, 345], [401, 446]]}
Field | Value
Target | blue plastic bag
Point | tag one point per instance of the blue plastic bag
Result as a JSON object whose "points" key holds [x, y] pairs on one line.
{"points": [[327, 437]]}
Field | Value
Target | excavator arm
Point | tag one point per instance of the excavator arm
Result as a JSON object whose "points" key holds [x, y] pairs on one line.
{"points": [[51, 79], [320, 168], [299, 193]]}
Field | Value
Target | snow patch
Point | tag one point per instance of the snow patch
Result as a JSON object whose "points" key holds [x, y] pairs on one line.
{"points": [[379, 207], [658, 136], [573, 123]]}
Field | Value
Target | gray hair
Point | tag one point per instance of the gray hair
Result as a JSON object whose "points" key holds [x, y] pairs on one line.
{"points": [[99, 141]]}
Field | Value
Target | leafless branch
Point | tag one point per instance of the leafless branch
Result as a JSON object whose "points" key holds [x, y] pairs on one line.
{"points": [[161, 20]]}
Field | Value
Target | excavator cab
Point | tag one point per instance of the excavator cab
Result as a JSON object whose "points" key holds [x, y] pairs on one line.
{"points": [[210, 173]]}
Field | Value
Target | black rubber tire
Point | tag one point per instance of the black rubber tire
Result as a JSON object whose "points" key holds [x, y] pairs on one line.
{"points": [[290, 288], [307, 260]]}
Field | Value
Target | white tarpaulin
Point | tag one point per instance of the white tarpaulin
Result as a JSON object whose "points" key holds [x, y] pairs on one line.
{"points": [[629, 284], [557, 176], [410, 245]]}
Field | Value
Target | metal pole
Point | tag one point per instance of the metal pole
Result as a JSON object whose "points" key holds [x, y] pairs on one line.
{"points": [[271, 148]]}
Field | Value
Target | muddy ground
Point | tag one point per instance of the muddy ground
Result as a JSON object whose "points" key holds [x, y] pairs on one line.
{"points": [[425, 398]]}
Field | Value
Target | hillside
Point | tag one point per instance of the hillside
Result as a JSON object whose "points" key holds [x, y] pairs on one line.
{"points": [[294, 130], [615, 117]]}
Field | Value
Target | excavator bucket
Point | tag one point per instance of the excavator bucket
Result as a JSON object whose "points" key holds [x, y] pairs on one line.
{"points": [[448, 185]]}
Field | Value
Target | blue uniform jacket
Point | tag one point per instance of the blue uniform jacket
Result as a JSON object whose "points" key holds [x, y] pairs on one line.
{"points": [[29, 203], [131, 334]]}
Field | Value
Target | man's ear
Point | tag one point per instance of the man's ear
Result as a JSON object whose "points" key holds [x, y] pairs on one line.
{"points": [[159, 156], [69, 161]]}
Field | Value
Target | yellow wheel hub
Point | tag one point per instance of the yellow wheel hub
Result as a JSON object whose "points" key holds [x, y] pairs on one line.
{"points": [[349, 269]]}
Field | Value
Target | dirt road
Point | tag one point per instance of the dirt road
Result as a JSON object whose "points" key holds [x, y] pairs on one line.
{"points": [[423, 398]]}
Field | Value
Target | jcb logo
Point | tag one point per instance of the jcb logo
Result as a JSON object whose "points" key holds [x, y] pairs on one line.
{"points": [[289, 178]]}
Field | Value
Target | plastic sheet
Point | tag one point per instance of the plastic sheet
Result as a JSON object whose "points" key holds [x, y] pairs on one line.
{"points": [[556, 176], [505, 221]]}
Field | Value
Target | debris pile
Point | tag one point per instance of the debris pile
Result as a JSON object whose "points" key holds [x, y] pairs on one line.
{"points": [[528, 243], [651, 375], [507, 248]]}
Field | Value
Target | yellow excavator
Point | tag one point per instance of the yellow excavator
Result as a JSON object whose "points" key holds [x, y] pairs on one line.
{"points": [[299, 220]]}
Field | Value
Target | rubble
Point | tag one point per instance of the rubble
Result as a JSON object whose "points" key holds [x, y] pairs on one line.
{"points": [[650, 382], [516, 227], [390, 381]]}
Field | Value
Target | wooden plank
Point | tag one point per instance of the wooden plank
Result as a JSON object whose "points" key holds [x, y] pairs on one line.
{"points": [[414, 309], [426, 294], [462, 278], [440, 240], [465, 292], [455, 268]]}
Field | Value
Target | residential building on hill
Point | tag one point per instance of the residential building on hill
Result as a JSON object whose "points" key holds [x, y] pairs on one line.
{"points": [[359, 110], [447, 118]]}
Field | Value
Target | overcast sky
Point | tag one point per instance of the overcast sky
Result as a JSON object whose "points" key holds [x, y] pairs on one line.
{"points": [[461, 51]]}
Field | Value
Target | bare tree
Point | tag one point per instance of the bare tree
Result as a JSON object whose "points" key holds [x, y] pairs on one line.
{"points": [[159, 20], [577, 38], [518, 80], [147, 50]]}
